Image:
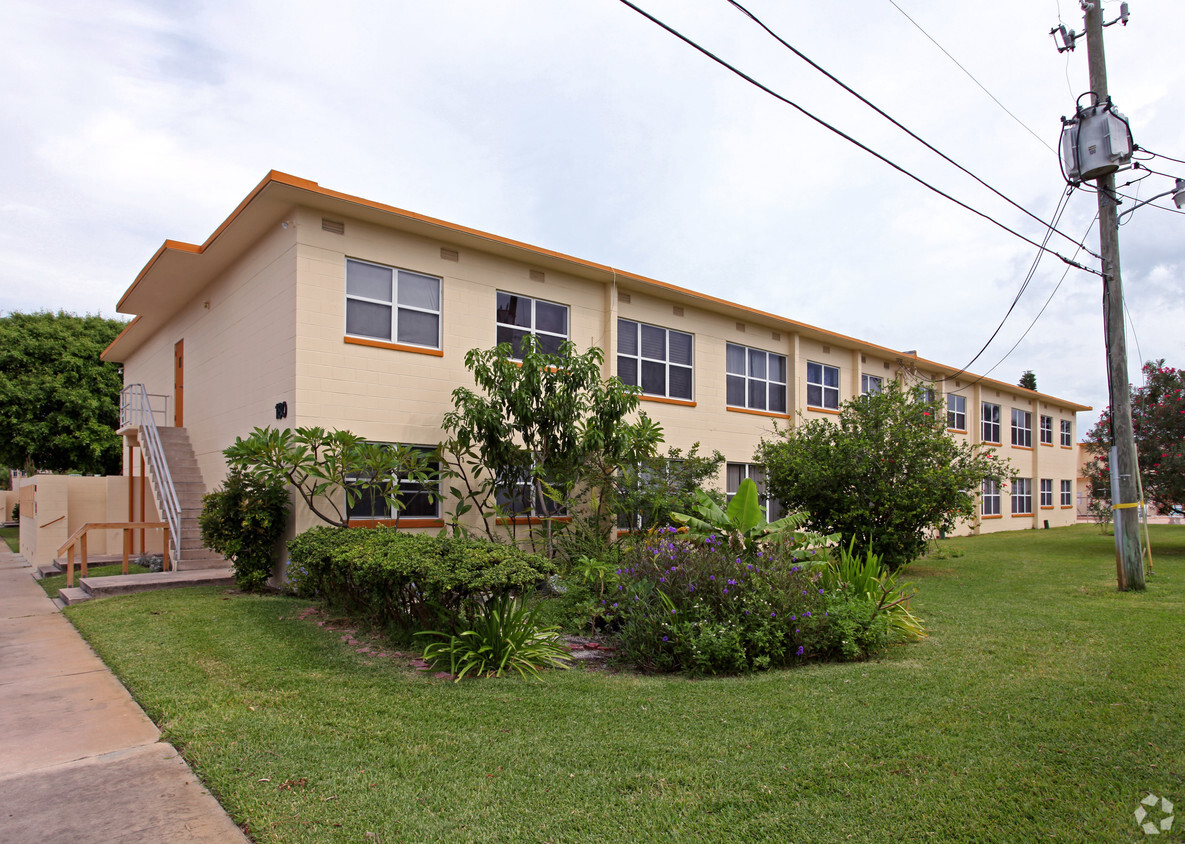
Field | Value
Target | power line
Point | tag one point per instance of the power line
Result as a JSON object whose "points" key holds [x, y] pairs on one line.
{"points": [[1158, 155], [848, 137], [971, 76], [736, 4]]}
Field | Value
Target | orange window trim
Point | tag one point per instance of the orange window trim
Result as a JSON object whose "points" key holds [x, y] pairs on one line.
{"points": [[992, 517], [664, 400], [1028, 515], [1067, 506], [822, 410], [956, 430], [399, 347], [1067, 446], [1024, 447], [1046, 506], [532, 521], [1047, 445], [990, 442], [402, 523], [731, 409]]}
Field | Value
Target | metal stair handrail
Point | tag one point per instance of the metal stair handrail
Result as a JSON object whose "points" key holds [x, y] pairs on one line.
{"points": [[135, 410]]}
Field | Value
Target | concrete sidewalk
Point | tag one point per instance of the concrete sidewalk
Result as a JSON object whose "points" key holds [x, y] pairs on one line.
{"points": [[79, 761]]}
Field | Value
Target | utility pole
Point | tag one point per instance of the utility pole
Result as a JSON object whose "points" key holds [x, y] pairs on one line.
{"points": [[1129, 562]]}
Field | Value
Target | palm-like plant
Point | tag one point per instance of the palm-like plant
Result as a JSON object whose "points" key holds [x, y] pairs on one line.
{"points": [[743, 524]]}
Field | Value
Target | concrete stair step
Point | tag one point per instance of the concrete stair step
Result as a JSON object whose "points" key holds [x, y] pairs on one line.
{"points": [[74, 594], [50, 569], [121, 584], [203, 563]]}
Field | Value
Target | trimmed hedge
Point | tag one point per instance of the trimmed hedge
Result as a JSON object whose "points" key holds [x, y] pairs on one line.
{"points": [[411, 581]]}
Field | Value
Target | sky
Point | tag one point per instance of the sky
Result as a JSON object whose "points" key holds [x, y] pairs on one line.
{"points": [[580, 126]]}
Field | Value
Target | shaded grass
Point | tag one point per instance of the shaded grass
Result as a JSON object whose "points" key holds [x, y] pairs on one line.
{"points": [[11, 537], [54, 583], [1044, 705]]}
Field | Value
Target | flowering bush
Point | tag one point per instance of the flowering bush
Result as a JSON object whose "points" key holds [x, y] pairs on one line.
{"points": [[689, 605]]}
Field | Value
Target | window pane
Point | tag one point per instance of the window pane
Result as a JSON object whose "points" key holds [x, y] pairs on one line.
{"points": [[627, 371], [736, 390], [736, 474], [756, 363], [831, 376], [814, 395], [515, 499], [757, 394], [368, 280], [654, 378], [553, 318], [513, 336], [419, 328], [654, 342], [680, 382], [777, 398], [777, 368], [370, 505], [368, 319], [514, 310], [814, 373], [736, 359], [549, 344], [417, 503], [627, 337], [419, 291], [680, 348]]}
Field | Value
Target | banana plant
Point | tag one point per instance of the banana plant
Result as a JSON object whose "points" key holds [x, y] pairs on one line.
{"points": [[743, 524]]}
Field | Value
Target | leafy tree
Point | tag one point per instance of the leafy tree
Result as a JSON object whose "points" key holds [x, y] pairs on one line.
{"points": [[243, 520], [1158, 423], [1028, 380], [881, 477], [59, 403], [647, 492], [330, 470], [537, 430]]}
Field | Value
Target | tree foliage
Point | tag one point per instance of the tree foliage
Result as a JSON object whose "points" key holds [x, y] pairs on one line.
{"points": [[1028, 380], [59, 403], [647, 492], [882, 476], [549, 421], [330, 470], [1158, 423]]}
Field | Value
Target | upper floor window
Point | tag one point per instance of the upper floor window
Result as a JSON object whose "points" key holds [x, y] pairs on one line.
{"points": [[956, 412], [518, 316], [1022, 428], [1067, 435], [413, 500], [385, 303], [990, 419], [822, 385], [871, 385], [737, 472], [1047, 430], [756, 379], [659, 360]]}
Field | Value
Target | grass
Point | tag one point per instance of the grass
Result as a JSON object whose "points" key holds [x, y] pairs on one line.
{"points": [[11, 537], [56, 582], [1044, 705]]}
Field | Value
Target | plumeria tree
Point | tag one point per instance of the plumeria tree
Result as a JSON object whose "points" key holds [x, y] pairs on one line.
{"points": [[1158, 422]]}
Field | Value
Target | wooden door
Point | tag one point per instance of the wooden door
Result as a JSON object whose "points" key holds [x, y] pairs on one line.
{"points": [[179, 383]]}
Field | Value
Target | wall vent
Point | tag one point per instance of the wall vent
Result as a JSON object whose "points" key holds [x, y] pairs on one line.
{"points": [[677, 310], [826, 350], [776, 336], [863, 359], [741, 327], [537, 275], [624, 298], [333, 226], [887, 365], [449, 254]]}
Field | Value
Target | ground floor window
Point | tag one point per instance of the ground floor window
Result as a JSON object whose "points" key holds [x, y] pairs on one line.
{"points": [[1022, 496], [520, 497], [1067, 493], [1046, 492], [737, 472], [414, 500], [990, 499]]}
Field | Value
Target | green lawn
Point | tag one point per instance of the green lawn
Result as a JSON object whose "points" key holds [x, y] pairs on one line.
{"points": [[56, 582], [1043, 706], [11, 536]]}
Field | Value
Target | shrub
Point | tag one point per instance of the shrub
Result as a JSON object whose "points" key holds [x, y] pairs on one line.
{"points": [[504, 635], [243, 520], [696, 606], [409, 581]]}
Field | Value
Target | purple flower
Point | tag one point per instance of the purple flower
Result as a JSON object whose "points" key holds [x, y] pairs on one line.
{"points": [[773, 615], [749, 567], [662, 580], [672, 612], [711, 577], [731, 582], [691, 587], [797, 630], [806, 614], [793, 617], [725, 590], [615, 606], [800, 650], [664, 638], [820, 591]]}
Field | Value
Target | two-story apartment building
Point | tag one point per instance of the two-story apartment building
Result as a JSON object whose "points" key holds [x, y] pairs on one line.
{"points": [[312, 307]]}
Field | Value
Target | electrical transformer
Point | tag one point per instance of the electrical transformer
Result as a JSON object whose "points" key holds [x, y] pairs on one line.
{"points": [[1096, 141]]}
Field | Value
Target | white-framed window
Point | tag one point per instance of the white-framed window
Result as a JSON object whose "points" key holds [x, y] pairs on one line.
{"points": [[871, 385], [990, 499], [822, 385], [518, 316], [928, 395], [1067, 434], [419, 500], [1067, 493], [737, 472], [1047, 430], [755, 379], [956, 412], [386, 303], [658, 481], [659, 360], [1022, 496], [1022, 428], [990, 422], [1047, 492], [520, 497]]}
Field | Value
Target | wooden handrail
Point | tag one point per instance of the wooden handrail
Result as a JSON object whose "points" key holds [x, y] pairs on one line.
{"points": [[79, 538], [54, 522]]}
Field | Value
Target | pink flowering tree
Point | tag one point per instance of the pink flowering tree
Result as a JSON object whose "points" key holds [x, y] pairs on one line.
{"points": [[1158, 421]]}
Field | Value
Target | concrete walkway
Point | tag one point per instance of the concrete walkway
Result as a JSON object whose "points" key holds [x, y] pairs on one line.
{"points": [[79, 761]]}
